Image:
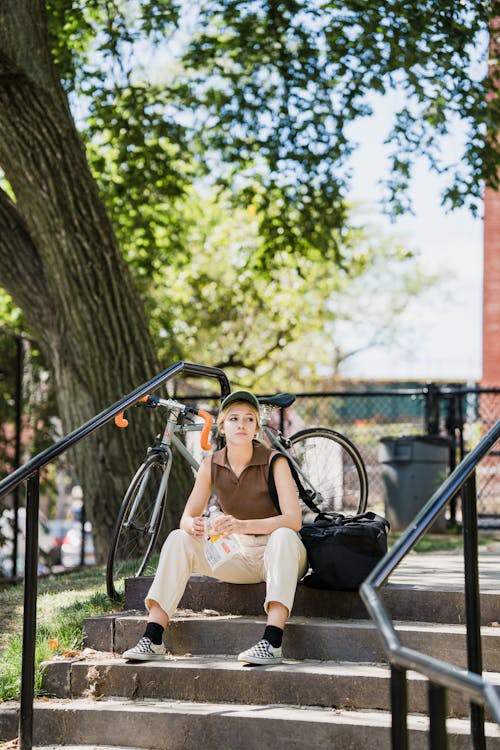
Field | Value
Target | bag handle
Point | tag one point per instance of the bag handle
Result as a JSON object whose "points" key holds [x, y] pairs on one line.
{"points": [[338, 519]]}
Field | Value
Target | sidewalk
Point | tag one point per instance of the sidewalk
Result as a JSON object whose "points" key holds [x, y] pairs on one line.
{"points": [[445, 570]]}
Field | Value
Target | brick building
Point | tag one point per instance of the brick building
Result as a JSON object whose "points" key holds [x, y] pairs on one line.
{"points": [[491, 273], [491, 290]]}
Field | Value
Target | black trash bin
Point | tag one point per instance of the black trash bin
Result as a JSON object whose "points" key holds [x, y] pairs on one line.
{"points": [[413, 467]]}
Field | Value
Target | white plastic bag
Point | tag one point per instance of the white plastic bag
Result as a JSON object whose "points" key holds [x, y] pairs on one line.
{"points": [[219, 549]]}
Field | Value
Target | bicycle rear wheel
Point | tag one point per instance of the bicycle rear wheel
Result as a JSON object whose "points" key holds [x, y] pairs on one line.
{"points": [[134, 539], [333, 467]]}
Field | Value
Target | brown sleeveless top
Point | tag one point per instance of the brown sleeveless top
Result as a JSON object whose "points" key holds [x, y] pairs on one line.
{"points": [[247, 496]]}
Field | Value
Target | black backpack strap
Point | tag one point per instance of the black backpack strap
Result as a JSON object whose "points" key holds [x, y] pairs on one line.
{"points": [[271, 483], [304, 495]]}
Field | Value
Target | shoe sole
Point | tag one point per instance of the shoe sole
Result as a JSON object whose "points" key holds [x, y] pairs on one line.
{"points": [[260, 662], [145, 657]]}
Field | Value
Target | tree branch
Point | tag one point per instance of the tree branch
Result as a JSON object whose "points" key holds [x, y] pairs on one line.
{"points": [[23, 26], [233, 361]]}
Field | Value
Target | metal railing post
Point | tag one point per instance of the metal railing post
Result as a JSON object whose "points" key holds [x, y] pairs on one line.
{"points": [[17, 448], [29, 619], [399, 707], [82, 544], [431, 410], [438, 739], [472, 602]]}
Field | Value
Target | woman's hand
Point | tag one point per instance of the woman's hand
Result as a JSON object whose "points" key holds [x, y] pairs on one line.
{"points": [[225, 525], [222, 525], [198, 526]]}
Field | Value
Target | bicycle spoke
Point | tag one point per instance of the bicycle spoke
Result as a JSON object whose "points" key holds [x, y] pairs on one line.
{"points": [[134, 537], [333, 468]]}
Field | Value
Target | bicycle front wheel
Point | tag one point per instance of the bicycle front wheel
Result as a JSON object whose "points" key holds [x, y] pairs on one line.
{"points": [[332, 466], [135, 534]]}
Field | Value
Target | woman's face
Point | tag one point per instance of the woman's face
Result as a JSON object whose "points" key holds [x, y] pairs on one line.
{"points": [[240, 423]]}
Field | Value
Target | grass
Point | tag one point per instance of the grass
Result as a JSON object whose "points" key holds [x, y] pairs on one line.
{"points": [[449, 541], [64, 601]]}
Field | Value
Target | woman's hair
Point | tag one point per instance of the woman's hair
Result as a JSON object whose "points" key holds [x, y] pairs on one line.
{"points": [[224, 412]]}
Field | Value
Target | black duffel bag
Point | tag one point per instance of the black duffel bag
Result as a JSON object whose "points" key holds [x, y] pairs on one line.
{"points": [[343, 550]]}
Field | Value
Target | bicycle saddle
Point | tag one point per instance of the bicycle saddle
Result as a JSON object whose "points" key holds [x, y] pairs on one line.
{"points": [[280, 399]]}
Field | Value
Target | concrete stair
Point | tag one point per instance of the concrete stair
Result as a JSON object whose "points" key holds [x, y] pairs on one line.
{"points": [[171, 725], [416, 601], [332, 689]]}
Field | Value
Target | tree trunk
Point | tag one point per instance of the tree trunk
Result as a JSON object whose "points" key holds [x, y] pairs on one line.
{"points": [[60, 262]]}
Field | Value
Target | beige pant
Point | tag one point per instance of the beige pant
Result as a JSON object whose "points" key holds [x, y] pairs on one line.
{"points": [[278, 558]]}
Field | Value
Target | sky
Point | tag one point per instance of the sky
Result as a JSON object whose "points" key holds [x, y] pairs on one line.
{"points": [[440, 332]]}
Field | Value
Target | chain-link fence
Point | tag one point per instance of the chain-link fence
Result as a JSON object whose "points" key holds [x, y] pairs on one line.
{"points": [[461, 415]]}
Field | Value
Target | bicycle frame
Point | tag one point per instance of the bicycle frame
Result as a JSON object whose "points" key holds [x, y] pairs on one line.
{"points": [[164, 447], [170, 438]]}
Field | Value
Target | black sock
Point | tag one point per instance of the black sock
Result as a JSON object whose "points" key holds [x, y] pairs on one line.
{"points": [[274, 635], [155, 632]]}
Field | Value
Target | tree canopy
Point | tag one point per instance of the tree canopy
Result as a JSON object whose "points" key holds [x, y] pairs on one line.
{"points": [[258, 97], [255, 100]]}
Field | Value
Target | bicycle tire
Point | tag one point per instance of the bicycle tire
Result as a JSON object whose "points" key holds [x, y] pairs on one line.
{"points": [[334, 467], [131, 548]]}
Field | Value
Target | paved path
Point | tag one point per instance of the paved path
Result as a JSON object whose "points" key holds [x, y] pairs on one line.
{"points": [[446, 570]]}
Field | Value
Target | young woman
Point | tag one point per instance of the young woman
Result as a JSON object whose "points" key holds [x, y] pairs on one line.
{"points": [[270, 547]]}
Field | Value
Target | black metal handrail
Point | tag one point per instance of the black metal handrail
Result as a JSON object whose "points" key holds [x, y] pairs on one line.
{"points": [[30, 471], [19, 338], [441, 676]]}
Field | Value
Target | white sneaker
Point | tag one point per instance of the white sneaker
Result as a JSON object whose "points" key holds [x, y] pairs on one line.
{"points": [[261, 653], [146, 650]]}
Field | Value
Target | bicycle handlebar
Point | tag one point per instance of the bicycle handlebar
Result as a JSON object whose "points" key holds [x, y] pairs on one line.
{"points": [[205, 432], [121, 421], [154, 401]]}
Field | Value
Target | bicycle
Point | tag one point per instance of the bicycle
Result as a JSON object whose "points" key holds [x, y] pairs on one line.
{"points": [[327, 463]]}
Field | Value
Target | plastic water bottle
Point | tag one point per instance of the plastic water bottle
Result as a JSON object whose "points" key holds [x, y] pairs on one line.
{"points": [[213, 514], [218, 547]]}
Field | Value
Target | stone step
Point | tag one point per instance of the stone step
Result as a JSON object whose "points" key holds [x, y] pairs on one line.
{"points": [[170, 725], [85, 747], [205, 679], [9, 721], [403, 601], [305, 638]]}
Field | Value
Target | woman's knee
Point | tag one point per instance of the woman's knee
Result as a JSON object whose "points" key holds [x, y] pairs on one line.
{"points": [[177, 542], [283, 541], [177, 536], [285, 544], [284, 535]]}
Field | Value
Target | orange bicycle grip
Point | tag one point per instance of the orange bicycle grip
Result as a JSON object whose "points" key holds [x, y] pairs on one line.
{"points": [[120, 420], [209, 420]]}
